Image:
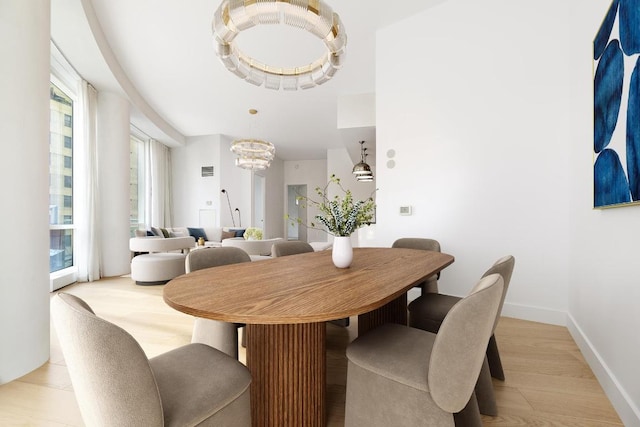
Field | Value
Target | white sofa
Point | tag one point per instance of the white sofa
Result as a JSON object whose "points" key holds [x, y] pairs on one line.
{"points": [[214, 235], [161, 260], [158, 259], [252, 247], [152, 244]]}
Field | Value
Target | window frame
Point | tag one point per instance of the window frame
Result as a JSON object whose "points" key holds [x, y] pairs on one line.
{"points": [[142, 139], [67, 275]]}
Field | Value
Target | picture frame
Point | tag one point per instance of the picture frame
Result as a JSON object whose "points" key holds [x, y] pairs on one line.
{"points": [[616, 108]]}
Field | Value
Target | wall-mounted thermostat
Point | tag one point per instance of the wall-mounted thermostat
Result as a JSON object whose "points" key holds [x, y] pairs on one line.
{"points": [[405, 210]]}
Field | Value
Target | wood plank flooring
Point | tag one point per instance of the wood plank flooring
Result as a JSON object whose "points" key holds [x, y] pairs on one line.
{"points": [[548, 381]]}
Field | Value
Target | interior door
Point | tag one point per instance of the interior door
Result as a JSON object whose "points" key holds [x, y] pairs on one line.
{"points": [[296, 209], [259, 201]]}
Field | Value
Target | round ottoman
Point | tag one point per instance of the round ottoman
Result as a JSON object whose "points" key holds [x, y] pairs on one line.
{"points": [[157, 268]]}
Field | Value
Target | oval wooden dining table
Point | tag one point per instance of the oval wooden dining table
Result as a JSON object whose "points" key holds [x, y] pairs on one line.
{"points": [[285, 303]]}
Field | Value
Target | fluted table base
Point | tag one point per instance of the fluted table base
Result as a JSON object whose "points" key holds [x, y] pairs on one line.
{"points": [[288, 366], [392, 312]]}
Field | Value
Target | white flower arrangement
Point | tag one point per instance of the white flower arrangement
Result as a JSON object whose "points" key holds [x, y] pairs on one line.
{"points": [[253, 233]]}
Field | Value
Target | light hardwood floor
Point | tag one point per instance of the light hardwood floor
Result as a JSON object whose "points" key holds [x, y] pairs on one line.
{"points": [[548, 381]]}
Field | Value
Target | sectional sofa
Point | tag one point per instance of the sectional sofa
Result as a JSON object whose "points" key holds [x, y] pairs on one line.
{"points": [[159, 253]]}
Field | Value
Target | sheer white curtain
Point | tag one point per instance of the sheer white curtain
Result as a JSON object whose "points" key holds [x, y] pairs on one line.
{"points": [[87, 253], [159, 209]]}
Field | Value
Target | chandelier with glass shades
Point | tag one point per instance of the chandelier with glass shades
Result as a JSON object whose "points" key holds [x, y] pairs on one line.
{"points": [[362, 170], [315, 16], [253, 154]]}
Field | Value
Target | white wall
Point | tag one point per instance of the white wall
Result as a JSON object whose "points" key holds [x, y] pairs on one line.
{"points": [[312, 173], [478, 122], [191, 191], [275, 199], [491, 121], [238, 182], [356, 111], [24, 120], [603, 267]]}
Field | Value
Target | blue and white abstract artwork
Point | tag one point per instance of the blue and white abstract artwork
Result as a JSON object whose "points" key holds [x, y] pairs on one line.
{"points": [[616, 106]]}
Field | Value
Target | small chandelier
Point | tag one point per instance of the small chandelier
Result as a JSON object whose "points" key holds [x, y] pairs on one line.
{"points": [[234, 16], [362, 170], [253, 154]]}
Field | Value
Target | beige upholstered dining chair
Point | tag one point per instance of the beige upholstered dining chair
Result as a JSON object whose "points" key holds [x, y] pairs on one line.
{"points": [[402, 376], [428, 311], [292, 247], [117, 385], [431, 284], [216, 333]]}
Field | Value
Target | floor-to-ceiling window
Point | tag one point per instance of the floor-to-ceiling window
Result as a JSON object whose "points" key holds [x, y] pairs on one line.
{"points": [[61, 220], [65, 145]]}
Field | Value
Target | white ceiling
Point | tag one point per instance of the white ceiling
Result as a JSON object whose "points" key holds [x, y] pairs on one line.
{"points": [[164, 62]]}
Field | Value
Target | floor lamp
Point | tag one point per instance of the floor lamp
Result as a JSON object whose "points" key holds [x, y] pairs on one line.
{"points": [[229, 203]]}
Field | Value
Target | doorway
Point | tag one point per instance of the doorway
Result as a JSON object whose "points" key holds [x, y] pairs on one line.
{"points": [[259, 201], [296, 209]]}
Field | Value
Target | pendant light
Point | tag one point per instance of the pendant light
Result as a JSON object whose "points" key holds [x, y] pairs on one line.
{"points": [[315, 16], [253, 154], [362, 170]]}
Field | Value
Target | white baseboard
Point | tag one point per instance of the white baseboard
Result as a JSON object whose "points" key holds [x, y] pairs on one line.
{"points": [[62, 278], [535, 314], [627, 410]]}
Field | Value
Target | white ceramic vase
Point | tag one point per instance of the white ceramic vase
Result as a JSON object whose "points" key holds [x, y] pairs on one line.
{"points": [[342, 252]]}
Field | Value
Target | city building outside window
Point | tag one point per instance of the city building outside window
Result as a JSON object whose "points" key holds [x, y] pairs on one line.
{"points": [[61, 180]]}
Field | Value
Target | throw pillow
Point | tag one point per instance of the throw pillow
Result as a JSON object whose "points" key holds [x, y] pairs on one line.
{"points": [[228, 234], [197, 233], [165, 233], [176, 234], [157, 232], [239, 232]]}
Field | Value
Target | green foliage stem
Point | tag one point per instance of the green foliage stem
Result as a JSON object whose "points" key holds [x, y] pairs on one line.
{"points": [[339, 216]]}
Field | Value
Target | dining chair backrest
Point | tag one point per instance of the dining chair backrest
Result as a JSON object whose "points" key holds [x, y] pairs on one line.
{"points": [[417, 243], [290, 248], [504, 267], [215, 333], [431, 284], [460, 345], [214, 257], [111, 375]]}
